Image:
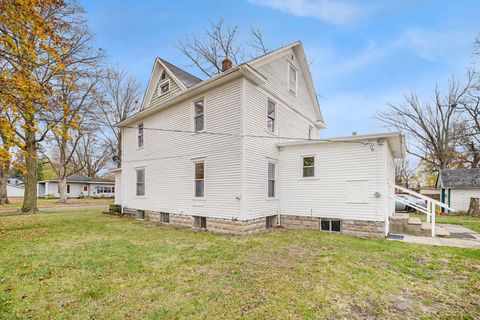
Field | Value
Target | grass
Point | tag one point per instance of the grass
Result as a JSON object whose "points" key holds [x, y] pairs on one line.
{"points": [[16, 203], [87, 265], [460, 219]]}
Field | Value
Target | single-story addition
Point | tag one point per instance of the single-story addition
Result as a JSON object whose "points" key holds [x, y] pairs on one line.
{"points": [[78, 186], [240, 153], [458, 186]]}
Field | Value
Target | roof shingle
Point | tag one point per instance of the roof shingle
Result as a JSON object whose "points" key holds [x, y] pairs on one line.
{"points": [[189, 80], [460, 178]]}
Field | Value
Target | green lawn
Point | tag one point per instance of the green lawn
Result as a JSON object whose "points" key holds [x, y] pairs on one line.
{"points": [[93, 266]]}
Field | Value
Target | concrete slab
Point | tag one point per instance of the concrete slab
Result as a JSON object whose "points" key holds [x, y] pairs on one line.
{"points": [[437, 241]]}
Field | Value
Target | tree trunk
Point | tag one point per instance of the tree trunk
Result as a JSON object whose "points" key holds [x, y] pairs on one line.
{"points": [[474, 208], [30, 198], [62, 188], [3, 184], [62, 172]]}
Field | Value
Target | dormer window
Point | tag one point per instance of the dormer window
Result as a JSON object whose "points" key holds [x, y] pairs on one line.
{"points": [[292, 78], [163, 88]]}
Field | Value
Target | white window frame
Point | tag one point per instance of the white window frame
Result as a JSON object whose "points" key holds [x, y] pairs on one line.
{"points": [[194, 162], [275, 186], [274, 115], [140, 135], [161, 84], [291, 66], [144, 182], [314, 156], [195, 116]]}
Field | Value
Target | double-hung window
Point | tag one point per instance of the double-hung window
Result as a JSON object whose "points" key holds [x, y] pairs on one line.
{"points": [[271, 179], [271, 112], [308, 166], [292, 78], [199, 179], [140, 182], [199, 117], [140, 135]]}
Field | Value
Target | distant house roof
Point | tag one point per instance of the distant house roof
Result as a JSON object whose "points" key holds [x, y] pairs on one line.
{"points": [[83, 179], [459, 178], [188, 79]]}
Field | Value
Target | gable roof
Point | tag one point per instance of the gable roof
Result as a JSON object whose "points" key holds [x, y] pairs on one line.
{"points": [[297, 48], [189, 83], [187, 79], [459, 178]]}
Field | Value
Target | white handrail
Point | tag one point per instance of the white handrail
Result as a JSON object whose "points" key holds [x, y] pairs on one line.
{"points": [[421, 196], [430, 210]]}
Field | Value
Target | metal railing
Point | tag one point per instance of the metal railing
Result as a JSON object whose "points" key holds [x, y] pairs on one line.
{"points": [[429, 210]]}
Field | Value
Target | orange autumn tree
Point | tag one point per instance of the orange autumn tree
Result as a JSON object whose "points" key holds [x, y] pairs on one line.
{"points": [[33, 52]]}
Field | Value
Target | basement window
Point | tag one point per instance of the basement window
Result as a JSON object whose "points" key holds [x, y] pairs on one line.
{"points": [[200, 223], [331, 225], [164, 217], [141, 214], [271, 222]]}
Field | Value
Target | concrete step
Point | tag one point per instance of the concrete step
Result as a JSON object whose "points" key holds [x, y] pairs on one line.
{"points": [[439, 231], [415, 221], [399, 216]]}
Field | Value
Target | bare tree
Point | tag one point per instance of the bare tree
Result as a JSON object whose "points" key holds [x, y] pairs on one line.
{"points": [[207, 50], [431, 126], [258, 42], [119, 100], [92, 154], [405, 173]]}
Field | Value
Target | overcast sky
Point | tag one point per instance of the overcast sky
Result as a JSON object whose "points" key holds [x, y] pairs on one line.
{"points": [[364, 53]]}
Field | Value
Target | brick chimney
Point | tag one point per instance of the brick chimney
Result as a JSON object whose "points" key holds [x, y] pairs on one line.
{"points": [[226, 64]]}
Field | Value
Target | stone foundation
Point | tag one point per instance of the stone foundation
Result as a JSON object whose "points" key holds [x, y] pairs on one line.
{"points": [[217, 225], [358, 228]]}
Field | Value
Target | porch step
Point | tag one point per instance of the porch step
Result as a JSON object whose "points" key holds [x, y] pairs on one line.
{"points": [[415, 221], [401, 223]]}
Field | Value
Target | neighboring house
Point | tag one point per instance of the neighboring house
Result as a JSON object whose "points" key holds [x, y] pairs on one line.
{"points": [[457, 186], [240, 153], [78, 186], [15, 187]]}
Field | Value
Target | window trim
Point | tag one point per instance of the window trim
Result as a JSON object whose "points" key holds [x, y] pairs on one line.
{"points": [[330, 220], [275, 186], [144, 182], [274, 132], [291, 66], [194, 162], [195, 116], [142, 135], [303, 156], [161, 84]]}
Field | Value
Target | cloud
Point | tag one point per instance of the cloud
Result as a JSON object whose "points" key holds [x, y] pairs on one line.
{"points": [[448, 47], [329, 11]]}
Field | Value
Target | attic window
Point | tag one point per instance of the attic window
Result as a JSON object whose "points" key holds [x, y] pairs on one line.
{"points": [[292, 79], [164, 76], [164, 88]]}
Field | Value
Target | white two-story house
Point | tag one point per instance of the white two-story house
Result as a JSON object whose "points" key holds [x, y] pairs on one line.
{"points": [[241, 152]]}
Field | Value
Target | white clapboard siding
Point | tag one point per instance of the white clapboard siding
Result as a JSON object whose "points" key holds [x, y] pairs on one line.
{"points": [[338, 164], [158, 98], [167, 158], [257, 151], [276, 72], [460, 198]]}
